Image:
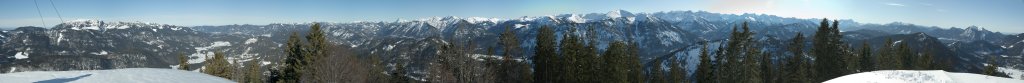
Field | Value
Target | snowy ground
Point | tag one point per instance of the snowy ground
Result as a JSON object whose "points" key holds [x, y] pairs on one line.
{"points": [[920, 76], [1016, 74], [129, 75]]}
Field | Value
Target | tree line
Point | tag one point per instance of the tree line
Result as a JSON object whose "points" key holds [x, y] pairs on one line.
{"points": [[576, 59]]}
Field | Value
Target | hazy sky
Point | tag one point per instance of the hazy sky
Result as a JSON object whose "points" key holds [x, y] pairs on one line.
{"points": [[997, 15]]}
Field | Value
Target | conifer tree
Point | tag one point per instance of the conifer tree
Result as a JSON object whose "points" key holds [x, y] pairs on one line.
{"points": [[704, 72], [924, 62], [254, 74], [750, 68], [183, 62], [632, 60], [867, 61], [293, 60], [657, 73], [511, 70], [546, 59], [676, 73], [829, 52], [316, 50], [616, 68], [218, 66], [798, 68], [887, 55], [905, 57], [990, 69]]}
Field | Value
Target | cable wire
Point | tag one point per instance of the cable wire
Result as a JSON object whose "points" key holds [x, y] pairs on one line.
{"points": [[55, 10], [36, 2]]}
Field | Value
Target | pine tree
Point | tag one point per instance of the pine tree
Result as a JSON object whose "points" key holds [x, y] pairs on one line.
{"points": [[293, 60], [768, 71], [751, 72], [254, 74], [546, 59], [676, 73], [657, 73], [316, 50], [704, 72], [798, 70], [183, 62], [512, 71], [925, 61], [616, 68], [632, 60], [905, 56], [867, 61], [577, 58], [990, 69], [218, 66], [887, 55], [829, 52]]}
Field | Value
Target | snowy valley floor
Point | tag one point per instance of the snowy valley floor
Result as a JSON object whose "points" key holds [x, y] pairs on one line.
{"points": [[129, 75], [920, 76]]}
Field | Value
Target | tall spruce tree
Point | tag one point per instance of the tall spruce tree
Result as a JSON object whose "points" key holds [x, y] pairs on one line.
{"points": [[316, 50], [635, 69], [546, 58], [254, 73], [887, 55], [704, 73], [798, 68], [676, 72], [616, 68], [867, 61], [905, 57], [657, 73], [829, 52], [293, 60]]}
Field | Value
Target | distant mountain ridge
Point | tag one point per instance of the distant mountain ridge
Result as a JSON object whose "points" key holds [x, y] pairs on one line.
{"points": [[659, 33]]}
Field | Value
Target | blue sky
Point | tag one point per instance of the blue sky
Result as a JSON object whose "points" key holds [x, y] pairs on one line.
{"points": [[997, 15]]}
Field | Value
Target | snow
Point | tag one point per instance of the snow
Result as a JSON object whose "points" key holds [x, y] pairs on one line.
{"points": [[619, 13], [919, 76], [575, 18], [20, 55], [751, 19], [521, 25], [203, 52], [389, 47], [100, 53], [475, 20], [129, 75], [60, 37], [250, 41], [1014, 73]]}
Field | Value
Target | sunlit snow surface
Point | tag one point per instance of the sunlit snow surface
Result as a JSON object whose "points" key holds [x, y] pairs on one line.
{"points": [[129, 75], [920, 76]]}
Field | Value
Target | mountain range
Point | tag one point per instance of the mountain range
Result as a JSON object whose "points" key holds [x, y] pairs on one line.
{"points": [[94, 44]]}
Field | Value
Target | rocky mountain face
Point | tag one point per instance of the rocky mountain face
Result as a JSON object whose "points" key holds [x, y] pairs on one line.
{"points": [[104, 45]]}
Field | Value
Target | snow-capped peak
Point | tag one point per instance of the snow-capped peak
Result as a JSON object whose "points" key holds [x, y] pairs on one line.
{"points": [[89, 24], [475, 20], [576, 18], [619, 13]]}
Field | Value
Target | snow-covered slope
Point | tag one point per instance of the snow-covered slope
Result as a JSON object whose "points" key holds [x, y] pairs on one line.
{"points": [[925, 76], [129, 75]]}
